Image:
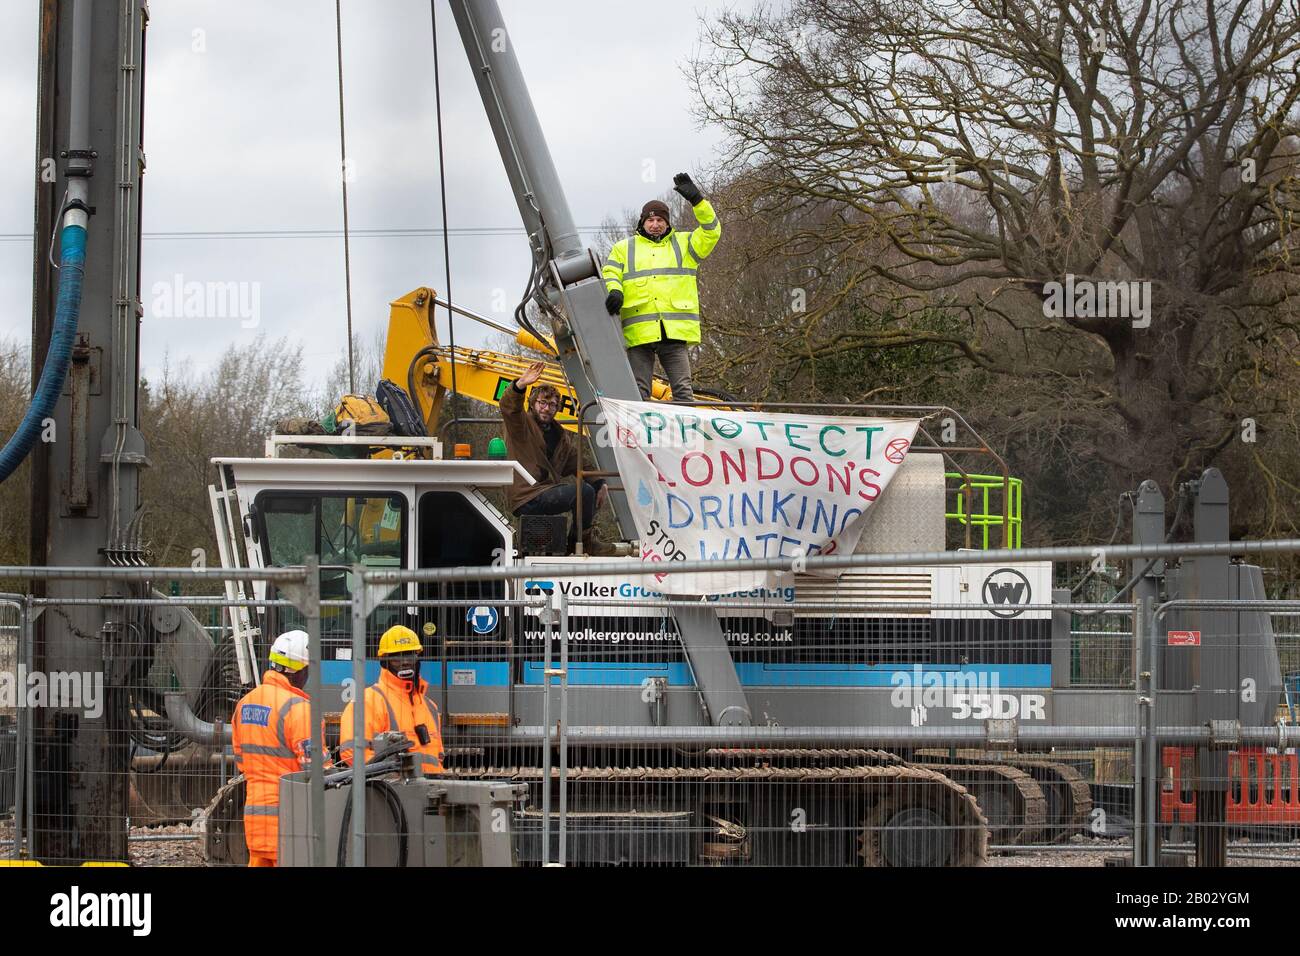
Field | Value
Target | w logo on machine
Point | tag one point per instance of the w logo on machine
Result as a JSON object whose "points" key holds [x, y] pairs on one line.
{"points": [[1007, 586]]}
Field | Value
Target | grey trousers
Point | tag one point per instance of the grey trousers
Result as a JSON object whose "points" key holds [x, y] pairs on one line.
{"points": [[675, 360]]}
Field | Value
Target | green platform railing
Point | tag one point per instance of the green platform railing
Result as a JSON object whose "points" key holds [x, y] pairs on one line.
{"points": [[982, 508]]}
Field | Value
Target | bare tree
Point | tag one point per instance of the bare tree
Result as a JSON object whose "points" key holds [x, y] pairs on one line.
{"points": [[188, 419], [15, 506], [984, 160], [368, 356]]}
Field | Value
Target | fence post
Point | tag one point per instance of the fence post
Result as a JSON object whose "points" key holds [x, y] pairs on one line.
{"points": [[360, 609], [1141, 712], [29, 655], [311, 609], [1062, 644], [548, 619], [1146, 611], [564, 727], [22, 730]]}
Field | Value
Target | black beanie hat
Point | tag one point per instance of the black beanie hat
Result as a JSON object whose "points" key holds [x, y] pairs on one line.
{"points": [[653, 206]]}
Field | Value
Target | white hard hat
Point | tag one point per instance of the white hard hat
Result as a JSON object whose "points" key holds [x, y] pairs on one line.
{"points": [[290, 650]]}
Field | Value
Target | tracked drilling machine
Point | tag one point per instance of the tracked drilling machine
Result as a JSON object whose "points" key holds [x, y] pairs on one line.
{"points": [[86, 449], [719, 718], [82, 437]]}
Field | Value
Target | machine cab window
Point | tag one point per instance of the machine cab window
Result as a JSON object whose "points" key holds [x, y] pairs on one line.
{"points": [[341, 530], [457, 531]]}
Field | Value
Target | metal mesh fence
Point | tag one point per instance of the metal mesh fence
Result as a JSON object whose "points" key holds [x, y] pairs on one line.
{"points": [[1101, 651], [791, 801], [1286, 630], [552, 722], [11, 715]]}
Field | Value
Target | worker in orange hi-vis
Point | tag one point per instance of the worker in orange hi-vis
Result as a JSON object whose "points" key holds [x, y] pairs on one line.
{"points": [[271, 731], [398, 701]]}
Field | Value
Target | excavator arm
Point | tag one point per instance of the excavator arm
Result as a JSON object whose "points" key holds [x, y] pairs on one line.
{"points": [[414, 359]]}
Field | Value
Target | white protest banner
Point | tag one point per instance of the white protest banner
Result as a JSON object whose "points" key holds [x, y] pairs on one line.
{"points": [[707, 484]]}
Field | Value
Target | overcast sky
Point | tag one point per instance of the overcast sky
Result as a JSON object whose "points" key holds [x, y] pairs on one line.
{"points": [[241, 134]]}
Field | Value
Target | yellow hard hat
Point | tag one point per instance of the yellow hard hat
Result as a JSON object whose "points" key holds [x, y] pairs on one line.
{"points": [[399, 639]]}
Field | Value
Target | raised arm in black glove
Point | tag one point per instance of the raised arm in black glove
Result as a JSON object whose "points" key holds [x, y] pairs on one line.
{"points": [[614, 302], [687, 189]]}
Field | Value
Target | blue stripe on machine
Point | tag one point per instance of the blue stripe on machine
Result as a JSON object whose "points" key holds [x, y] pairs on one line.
{"points": [[334, 673], [630, 673], [592, 673], [486, 673]]}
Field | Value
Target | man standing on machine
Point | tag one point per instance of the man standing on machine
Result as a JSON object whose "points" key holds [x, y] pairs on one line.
{"points": [[650, 278]]}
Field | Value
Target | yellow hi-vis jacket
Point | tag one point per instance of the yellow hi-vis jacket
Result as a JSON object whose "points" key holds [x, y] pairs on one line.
{"points": [[657, 279]]}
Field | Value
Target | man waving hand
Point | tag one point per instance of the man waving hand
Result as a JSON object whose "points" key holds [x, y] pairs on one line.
{"points": [[650, 278]]}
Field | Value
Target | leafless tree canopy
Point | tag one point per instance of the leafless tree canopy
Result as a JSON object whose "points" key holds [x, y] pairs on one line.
{"points": [[15, 508], [922, 174], [189, 418]]}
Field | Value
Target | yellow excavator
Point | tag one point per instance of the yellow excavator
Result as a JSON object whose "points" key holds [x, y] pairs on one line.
{"points": [[415, 360]]}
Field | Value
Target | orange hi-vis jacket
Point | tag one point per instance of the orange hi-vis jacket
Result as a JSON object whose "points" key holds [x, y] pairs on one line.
{"points": [[393, 704], [271, 732]]}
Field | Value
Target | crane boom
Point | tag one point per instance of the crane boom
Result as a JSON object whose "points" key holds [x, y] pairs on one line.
{"points": [[569, 288]]}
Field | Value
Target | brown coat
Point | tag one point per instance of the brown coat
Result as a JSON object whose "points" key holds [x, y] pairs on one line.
{"points": [[526, 444]]}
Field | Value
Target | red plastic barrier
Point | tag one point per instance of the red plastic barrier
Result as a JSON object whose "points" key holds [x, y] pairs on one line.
{"points": [[1263, 788]]}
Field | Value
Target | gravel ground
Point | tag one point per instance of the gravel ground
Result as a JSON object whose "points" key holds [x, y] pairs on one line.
{"points": [[1088, 852], [1098, 851], [142, 852], [165, 852]]}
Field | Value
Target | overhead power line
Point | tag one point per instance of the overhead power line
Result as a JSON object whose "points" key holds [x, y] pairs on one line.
{"points": [[385, 233], [343, 162]]}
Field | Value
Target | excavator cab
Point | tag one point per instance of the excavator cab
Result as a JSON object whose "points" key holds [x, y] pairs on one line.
{"points": [[379, 514]]}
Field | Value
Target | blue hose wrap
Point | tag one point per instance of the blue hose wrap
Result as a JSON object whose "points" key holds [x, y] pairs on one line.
{"points": [[72, 267]]}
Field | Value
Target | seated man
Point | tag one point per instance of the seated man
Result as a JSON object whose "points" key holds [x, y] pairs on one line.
{"points": [[550, 455]]}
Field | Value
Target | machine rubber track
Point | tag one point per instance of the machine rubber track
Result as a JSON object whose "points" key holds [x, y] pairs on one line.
{"points": [[785, 755], [1012, 801], [901, 814], [904, 814], [222, 826], [1069, 798]]}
